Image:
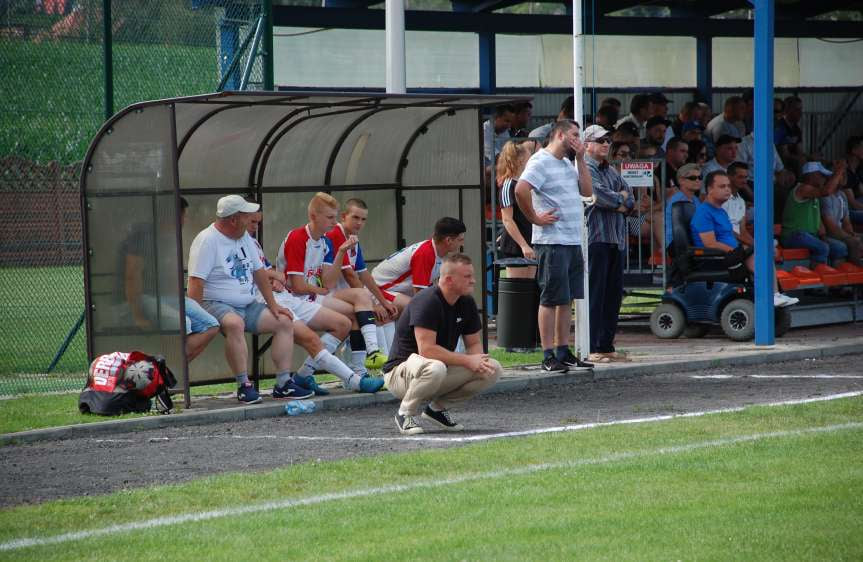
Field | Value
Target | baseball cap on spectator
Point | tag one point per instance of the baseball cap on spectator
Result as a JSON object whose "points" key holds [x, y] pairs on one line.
{"points": [[628, 127], [726, 139], [232, 204], [813, 167], [594, 133], [688, 170], [690, 125], [657, 120], [658, 98]]}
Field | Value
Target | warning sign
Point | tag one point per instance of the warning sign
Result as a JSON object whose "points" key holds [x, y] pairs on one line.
{"points": [[637, 174]]}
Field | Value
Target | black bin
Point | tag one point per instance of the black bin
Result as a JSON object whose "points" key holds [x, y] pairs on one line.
{"points": [[518, 304]]}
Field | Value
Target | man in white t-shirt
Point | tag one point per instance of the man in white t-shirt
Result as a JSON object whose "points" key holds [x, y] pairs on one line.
{"points": [[735, 206], [549, 194], [225, 276]]}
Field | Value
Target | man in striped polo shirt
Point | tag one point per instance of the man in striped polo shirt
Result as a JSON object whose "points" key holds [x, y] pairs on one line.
{"points": [[549, 194], [606, 226]]}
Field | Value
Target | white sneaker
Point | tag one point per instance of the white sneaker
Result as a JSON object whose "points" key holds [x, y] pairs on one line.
{"points": [[781, 301]]}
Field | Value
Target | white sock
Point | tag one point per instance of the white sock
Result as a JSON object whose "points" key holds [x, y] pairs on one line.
{"points": [[389, 333], [307, 368], [358, 361], [329, 362], [370, 335], [331, 342], [382, 340]]}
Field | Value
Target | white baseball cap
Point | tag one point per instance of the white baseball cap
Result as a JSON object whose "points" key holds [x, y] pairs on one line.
{"points": [[594, 133], [232, 204], [812, 167]]}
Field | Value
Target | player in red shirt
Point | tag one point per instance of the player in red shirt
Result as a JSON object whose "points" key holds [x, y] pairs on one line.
{"points": [[307, 257]]}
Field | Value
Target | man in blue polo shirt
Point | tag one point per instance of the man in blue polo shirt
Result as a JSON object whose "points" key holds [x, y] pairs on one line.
{"points": [[711, 228]]}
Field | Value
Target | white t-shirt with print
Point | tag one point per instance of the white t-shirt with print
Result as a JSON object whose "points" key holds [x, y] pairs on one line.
{"points": [[226, 265]]}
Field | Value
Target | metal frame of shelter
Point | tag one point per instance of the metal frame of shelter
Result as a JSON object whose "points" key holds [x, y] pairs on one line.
{"points": [[414, 158]]}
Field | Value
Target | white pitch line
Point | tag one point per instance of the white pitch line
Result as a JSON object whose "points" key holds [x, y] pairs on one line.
{"points": [[502, 435], [776, 376], [20, 543]]}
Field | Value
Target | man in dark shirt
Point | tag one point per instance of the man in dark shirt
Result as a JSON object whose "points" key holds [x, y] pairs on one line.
{"points": [[423, 366]]}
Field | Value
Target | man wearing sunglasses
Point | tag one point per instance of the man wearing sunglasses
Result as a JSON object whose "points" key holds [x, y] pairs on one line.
{"points": [[606, 225], [689, 178]]}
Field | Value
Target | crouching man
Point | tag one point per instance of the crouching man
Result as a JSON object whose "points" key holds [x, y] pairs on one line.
{"points": [[422, 366]]}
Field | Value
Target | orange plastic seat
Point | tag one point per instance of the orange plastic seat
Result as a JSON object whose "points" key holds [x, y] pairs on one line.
{"points": [[853, 272], [831, 277], [787, 281], [805, 275], [795, 253]]}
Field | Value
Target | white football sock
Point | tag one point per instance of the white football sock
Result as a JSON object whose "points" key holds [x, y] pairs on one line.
{"points": [[371, 337]]}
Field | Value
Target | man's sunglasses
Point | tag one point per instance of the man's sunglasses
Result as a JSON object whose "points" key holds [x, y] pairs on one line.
{"points": [[603, 140], [692, 178]]}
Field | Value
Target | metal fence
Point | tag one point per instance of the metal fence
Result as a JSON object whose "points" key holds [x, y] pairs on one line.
{"points": [[62, 71]]}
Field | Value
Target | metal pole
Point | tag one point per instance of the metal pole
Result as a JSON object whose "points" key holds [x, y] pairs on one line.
{"points": [[253, 53], [395, 22], [763, 126], [269, 82], [583, 305], [108, 58]]}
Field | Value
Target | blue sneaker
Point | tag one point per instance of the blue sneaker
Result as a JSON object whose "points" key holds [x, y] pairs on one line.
{"points": [[309, 383], [291, 391], [247, 394], [370, 384]]}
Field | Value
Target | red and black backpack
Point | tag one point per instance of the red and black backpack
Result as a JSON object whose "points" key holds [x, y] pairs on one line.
{"points": [[120, 382]]}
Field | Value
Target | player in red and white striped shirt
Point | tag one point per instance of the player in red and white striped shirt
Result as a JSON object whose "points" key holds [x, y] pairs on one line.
{"points": [[307, 257], [414, 268]]}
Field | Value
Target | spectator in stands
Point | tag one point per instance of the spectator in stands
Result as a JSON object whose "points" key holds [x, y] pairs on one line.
{"points": [[412, 269], [711, 228], [728, 122], [627, 133], [606, 117], [746, 154], [735, 205], [496, 132], [801, 218], [522, 111], [639, 112], [515, 240], [697, 153], [567, 112], [621, 150], [683, 116], [778, 110], [748, 111], [225, 275], [549, 198], [691, 131], [610, 101], [726, 152], [147, 299], [689, 178], [676, 155], [655, 133], [657, 105], [423, 365], [647, 221], [834, 212], [702, 113], [788, 136], [606, 226], [854, 178]]}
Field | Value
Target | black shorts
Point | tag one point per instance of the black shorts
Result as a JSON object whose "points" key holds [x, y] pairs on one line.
{"points": [[736, 257], [560, 273]]}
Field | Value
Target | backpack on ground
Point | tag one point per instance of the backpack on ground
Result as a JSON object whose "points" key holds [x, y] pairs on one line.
{"points": [[120, 383]]}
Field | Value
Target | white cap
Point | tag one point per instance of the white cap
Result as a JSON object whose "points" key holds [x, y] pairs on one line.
{"points": [[594, 133], [231, 204], [812, 167]]}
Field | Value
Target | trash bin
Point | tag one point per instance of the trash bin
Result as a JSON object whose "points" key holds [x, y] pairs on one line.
{"points": [[518, 304]]}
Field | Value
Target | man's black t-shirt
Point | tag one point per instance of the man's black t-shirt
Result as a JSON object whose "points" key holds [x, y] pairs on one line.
{"points": [[428, 309]]}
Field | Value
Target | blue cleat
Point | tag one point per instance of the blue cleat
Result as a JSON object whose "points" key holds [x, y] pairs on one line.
{"points": [[309, 383], [370, 384]]}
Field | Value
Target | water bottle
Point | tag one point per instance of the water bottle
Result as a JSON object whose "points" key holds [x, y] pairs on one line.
{"points": [[308, 406], [294, 408]]}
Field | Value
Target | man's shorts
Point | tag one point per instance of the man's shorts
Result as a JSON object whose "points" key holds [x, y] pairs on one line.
{"points": [[560, 273], [250, 313], [303, 309], [198, 320]]}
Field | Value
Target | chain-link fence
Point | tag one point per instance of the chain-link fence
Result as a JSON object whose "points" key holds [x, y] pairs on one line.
{"points": [[53, 77]]}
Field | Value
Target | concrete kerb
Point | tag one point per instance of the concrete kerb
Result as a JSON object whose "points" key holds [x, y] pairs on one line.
{"points": [[518, 379]]}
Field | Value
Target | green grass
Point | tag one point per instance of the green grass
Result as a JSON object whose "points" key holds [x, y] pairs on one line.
{"points": [[54, 91], [610, 493]]}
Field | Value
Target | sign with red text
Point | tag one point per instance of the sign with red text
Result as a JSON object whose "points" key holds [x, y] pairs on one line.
{"points": [[637, 174]]}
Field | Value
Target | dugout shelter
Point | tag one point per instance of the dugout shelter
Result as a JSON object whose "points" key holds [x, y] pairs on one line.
{"points": [[412, 158]]}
